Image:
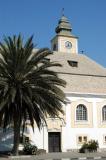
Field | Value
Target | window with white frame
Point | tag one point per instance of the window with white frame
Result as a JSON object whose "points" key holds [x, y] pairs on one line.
{"points": [[24, 139], [82, 139], [81, 113], [104, 113]]}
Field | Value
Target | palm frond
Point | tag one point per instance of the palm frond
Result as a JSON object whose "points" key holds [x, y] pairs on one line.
{"points": [[28, 84]]}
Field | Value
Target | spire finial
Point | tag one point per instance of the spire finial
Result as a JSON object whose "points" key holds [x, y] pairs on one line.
{"points": [[62, 11]]}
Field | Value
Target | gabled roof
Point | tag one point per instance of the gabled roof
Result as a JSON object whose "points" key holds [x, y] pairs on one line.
{"points": [[86, 66], [87, 77]]}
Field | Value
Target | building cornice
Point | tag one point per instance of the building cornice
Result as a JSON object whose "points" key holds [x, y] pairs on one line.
{"points": [[86, 95]]}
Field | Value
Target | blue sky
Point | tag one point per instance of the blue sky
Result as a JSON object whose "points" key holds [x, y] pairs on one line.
{"points": [[40, 17]]}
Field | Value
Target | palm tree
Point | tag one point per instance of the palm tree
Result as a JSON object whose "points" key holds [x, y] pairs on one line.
{"points": [[28, 85]]}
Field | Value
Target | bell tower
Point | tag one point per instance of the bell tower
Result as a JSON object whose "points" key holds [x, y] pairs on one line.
{"points": [[64, 41]]}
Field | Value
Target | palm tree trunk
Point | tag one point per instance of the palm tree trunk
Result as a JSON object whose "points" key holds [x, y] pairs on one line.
{"points": [[16, 136]]}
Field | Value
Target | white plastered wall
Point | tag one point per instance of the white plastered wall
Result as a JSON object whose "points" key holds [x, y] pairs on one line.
{"points": [[68, 134]]}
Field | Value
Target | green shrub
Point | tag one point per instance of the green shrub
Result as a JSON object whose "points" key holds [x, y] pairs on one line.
{"points": [[29, 149], [83, 148], [91, 146]]}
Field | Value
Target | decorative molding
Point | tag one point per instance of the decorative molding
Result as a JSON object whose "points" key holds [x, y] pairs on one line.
{"points": [[85, 95], [81, 124]]}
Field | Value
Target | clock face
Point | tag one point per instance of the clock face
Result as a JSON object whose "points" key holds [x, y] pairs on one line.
{"points": [[68, 44]]}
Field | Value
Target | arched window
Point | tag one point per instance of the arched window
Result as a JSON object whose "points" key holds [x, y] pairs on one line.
{"points": [[81, 113], [104, 113]]}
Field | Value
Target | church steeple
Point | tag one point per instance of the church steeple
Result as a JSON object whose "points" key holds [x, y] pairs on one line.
{"points": [[64, 41], [64, 26]]}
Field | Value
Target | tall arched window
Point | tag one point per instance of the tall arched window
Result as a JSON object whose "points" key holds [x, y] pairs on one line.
{"points": [[104, 113], [81, 112]]}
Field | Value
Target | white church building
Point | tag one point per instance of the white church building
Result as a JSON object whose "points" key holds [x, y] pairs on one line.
{"points": [[85, 112]]}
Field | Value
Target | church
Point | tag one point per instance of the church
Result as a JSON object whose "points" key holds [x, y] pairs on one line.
{"points": [[85, 111]]}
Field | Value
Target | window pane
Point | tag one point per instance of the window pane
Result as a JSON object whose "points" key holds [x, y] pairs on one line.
{"points": [[104, 113], [26, 139], [105, 138], [79, 139], [81, 112], [85, 139]]}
